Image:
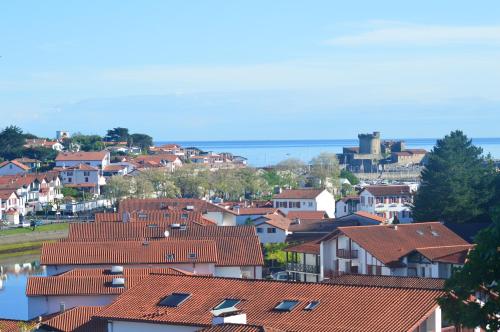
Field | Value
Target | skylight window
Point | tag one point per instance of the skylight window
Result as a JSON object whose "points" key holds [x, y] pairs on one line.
{"points": [[311, 305], [167, 215], [152, 225], [227, 303], [192, 255], [170, 257], [174, 300], [184, 216], [286, 305], [434, 233], [142, 215], [420, 232]]}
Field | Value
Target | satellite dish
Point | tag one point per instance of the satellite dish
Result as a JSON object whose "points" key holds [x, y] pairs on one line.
{"points": [[167, 233]]}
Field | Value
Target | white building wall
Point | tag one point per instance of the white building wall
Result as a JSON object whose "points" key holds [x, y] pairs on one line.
{"points": [[265, 237], [326, 202], [228, 271], [11, 169], [46, 305]]}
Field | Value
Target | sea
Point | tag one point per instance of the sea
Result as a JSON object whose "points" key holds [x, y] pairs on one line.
{"points": [[261, 153]]}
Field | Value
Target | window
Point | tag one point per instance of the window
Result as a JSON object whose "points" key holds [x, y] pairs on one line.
{"points": [[260, 230], [286, 305], [167, 215], [69, 173], [142, 215], [174, 299], [69, 180], [86, 173], [294, 205], [311, 305], [227, 303], [86, 179], [184, 216], [271, 230], [310, 204]]}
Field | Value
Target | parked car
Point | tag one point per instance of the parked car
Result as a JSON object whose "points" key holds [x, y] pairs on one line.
{"points": [[281, 276]]}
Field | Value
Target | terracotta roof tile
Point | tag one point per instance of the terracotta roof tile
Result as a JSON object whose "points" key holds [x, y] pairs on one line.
{"points": [[15, 162], [238, 328], [341, 308], [87, 282], [371, 216], [128, 252], [275, 220], [387, 281], [165, 216], [78, 319], [82, 156], [312, 247], [130, 205], [388, 243], [256, 211], [389, 190], [316, 215], [299, 194]]}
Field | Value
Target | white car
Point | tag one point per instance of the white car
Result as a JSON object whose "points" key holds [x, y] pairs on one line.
{"points": [[281, 276]]}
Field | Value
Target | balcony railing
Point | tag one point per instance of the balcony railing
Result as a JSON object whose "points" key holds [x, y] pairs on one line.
{"points": [[306, 268], [347, 254]]}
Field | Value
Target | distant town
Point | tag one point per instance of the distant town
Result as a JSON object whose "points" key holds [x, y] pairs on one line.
{"points": [[132, 236]]}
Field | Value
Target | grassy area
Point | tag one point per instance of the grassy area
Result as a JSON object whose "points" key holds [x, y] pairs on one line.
{"points": [[43, 228]]}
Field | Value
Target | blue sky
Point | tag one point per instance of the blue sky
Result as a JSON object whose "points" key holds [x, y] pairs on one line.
{"points": [[230, 70]]}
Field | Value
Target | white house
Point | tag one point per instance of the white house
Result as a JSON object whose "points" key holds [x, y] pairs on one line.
{"points": [[99, 159], [346, 206], [427, 250], [388, 201], [305, 200], [115, 169], [247, 215], [83, 177], [13, 167], [9, 202], [272, 228], [168, 161]]}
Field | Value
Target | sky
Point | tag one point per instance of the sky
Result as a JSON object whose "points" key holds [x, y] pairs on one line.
{"points": [[240, 70]]}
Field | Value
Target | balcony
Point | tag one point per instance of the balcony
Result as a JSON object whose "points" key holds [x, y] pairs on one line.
{"points": [[305, 268], [347, 254]]}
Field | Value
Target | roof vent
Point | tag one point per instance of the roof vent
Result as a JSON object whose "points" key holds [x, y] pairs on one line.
{"points": [[166, 233], [118, 282], [116, 269]]}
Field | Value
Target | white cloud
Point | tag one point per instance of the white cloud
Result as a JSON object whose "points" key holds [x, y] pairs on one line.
{"points": [[407, 34]]}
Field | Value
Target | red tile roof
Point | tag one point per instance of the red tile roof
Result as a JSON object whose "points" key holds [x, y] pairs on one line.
{"points": [[15, 162], [6, 193], [157, 158], [167, 216], [341, 308], [446, 254], [133, 204], [275, 220], [80, 167], [371, 216], [388, 190], [78, 319], [114, 168], [317, 215], [312, 247], [235, 245], [86, 282], [387, 281], [299, 194], [128, 252], [239, 328], [82, 156], [256, 211], [10, 325], [116, 231], [388, 243]]}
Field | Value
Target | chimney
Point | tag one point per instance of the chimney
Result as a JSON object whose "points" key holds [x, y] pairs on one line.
{"points": [[62, 307], [231, 317], [236, 209]]}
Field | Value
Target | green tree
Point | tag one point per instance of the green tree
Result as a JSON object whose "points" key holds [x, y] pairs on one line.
{"points": [[142, 188], [119, 187], [41, 153], [162, 182], [12, 141], [117, 134], [325, 168], [346, 174], [479, 275], [86, 142], [191, 181], [456, 183], [70, 192], [141, 140]]}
